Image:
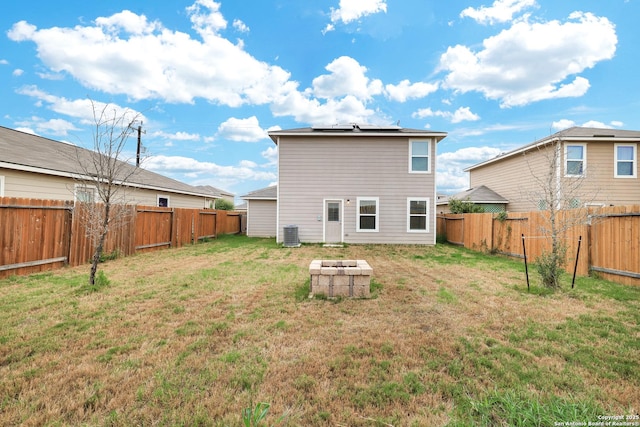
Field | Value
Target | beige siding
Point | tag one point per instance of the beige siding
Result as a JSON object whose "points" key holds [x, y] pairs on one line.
{"points": [[607, 189], [345, 168], [261, 218], [39, 186], [512, 178], [518, 178]]}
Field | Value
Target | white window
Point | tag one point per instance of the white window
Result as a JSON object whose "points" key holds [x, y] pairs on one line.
{"points": [[575, 159], [367, 219], [163, 201], [626, 163], [85, 193], [419, 156], [1, 186], [418, 215]]}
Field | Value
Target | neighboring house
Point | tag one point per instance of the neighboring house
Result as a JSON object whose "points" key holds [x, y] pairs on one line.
{"points": [[262, 212], [593, 167], [357, 184], [39, 168], [217, 193], [481, 195]]}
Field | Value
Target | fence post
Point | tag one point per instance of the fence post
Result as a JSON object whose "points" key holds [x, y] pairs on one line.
{"points": [[575, 268], [526, 268]]}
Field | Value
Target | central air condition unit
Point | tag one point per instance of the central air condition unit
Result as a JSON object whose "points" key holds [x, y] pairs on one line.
{"points": [[291, 239]]}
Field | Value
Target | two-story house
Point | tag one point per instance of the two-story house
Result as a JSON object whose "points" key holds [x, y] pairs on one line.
{"points": [[583, 166], [357, 184]]}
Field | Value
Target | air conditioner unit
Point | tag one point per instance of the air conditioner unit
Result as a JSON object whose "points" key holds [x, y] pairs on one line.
{"points": [[291, 239]]}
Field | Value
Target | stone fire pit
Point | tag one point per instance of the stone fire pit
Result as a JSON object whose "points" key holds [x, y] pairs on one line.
{"points": [[348, 278]]}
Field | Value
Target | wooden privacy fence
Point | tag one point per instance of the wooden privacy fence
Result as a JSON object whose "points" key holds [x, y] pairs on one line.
{"points": [[609, 238], [38, 235]]}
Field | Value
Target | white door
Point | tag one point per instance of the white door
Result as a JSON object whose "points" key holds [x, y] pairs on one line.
{"points": [[333, 221]]}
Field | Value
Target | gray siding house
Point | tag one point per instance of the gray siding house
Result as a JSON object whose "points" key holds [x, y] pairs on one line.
{"points": [[39, 168], [262, 210], [357, 184]]}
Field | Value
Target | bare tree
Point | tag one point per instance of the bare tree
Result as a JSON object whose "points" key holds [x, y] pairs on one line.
{"points": [[103, 176], [558, 187]]}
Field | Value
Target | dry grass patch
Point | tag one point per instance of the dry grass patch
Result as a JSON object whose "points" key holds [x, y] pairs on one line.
{"points": [[194, 336]]}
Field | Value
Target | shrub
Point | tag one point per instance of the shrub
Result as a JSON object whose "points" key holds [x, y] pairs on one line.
{"points": [[550, 266], [224, 205], [464, 206]]}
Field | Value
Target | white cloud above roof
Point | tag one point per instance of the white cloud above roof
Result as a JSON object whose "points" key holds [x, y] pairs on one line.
{"points": [[460, 115], [499, 11], [125, 54], [406, 90], [352, 10], [347, 77], [244, 130], [450, 176], [531, 62], [82, 109], [177, 165]]}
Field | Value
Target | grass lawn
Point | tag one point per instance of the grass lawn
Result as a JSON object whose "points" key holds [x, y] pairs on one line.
{"points": [[196, 335]]}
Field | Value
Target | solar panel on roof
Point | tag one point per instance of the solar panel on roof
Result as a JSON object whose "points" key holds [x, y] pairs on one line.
{"points": [[335, 127], [377, 127]]}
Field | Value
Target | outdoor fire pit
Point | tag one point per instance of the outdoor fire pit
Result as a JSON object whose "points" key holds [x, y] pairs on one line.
{"points": [[347, 278]]}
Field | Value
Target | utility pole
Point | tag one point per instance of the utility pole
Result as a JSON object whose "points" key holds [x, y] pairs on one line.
{"points": [[139, 144]]}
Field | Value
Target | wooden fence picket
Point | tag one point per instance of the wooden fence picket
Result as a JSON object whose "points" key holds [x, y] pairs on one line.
{"points": [[38, 235]]}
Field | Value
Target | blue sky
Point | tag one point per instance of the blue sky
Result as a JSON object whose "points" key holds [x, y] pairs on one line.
{"points": [[211, 78]]}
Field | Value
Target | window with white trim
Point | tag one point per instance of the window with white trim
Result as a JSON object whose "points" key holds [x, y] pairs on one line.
{"points": [[85, 193], [625, 158], [367, 214], [163, 201], [575, 159], [418, 215], [419, 156]]}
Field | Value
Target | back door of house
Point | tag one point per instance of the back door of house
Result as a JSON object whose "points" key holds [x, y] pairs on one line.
{"points": [[333, 221]]}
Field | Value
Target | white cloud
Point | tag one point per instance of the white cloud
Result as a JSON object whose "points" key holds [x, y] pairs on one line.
{"points": [[125, 54], [532, 61], [307, 110], [17, 72], [206, 18], [464, 114], [128, 22], [178, 136], [460, 115], [58, 127], [406, 90], [451, 177], [347, 77], [500, 11], [271, 155], [129, 54], [26, 130], [566, 124], [240, 26], [4, 62], [178, 166], [352, 10], [596, 124], [82, 109], [245, 130]]}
